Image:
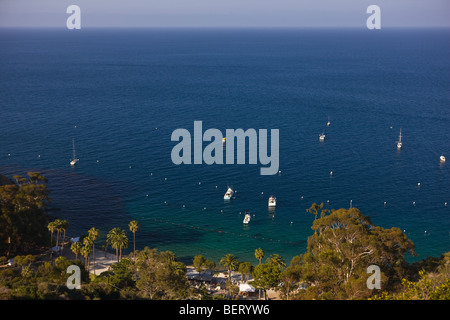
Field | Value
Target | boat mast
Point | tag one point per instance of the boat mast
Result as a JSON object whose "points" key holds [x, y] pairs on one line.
{"points": [[73, 144]]}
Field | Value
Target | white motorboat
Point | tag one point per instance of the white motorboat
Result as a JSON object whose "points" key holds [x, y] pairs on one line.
{"points": [[322, 137], [247, 218], [74, 160], [228, 194], [442, 158], [272, 201], [399, 142]]}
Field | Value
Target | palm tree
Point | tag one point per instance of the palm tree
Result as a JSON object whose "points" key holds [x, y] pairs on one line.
{"points": [[259, 254], [134, 226], [118, 239], [85, 252], [64, 224], [51, 227], [58, 228], [230, 262], [76, 248], [123, 242], [87, 241], [277, 260], [93, 234]]}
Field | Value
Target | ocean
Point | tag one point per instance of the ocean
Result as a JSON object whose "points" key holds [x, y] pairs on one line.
{"points": [[120, 93]]}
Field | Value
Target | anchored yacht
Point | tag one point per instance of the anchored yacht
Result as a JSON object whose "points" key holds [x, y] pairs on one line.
{"points": [[228, 194], [272, 201], [322, 137]]}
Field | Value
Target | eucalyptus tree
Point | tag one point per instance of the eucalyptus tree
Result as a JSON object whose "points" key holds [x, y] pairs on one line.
{"points": [[344, 244]]}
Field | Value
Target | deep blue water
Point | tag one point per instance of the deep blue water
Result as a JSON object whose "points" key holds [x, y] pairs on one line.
{"points": [[121, 93]]}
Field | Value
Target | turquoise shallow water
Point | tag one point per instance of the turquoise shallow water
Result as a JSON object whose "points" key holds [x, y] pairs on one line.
{"points": [[121, 93]]}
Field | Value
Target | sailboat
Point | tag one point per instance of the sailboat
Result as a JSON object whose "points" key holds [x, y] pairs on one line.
{"points": [[74, 160], [399, 142]]}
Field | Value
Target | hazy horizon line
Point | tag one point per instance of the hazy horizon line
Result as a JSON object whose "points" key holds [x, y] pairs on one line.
{"points": [[224, 27]]}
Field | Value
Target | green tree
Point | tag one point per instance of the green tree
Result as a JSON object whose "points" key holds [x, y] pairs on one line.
{"points": [[76, 248], [315, 208], [266, 276], [245, 269], [51, 227], [277, 260], [64, 227], [159, 275], [118, 239], [433, 284], [86, 252], [59, 227], [290, 280], [134, 226], [230, 262], [201, 264], [259, 254], [93, 235], [344, 244], [23, 219]]}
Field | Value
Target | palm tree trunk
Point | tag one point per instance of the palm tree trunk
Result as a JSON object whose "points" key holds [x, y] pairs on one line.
{"points": [[64, 239], [134, 245], [51, 247], [57, 240], [93, 255]]}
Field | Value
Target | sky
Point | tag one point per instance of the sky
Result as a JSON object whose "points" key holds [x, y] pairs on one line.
{"points": [[224, 13]]}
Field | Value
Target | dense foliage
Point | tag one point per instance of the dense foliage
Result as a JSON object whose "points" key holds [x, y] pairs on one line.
{"points": [[23, 220]]}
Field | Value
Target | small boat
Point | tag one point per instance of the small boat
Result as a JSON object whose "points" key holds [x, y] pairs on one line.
{"points": [[442, 158], [74, 160], [322, 137], [224, 140], [328, 123], [399, 142], [228, 194], [247, 218], [272, 201]]}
